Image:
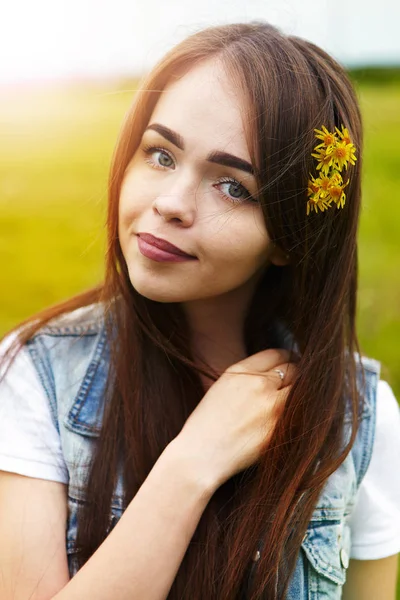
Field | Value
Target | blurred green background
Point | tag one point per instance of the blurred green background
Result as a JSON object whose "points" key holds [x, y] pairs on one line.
{"points": [[55, 148]]}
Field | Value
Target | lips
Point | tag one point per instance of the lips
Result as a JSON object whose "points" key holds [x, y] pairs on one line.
{"points": [[162, 244]]}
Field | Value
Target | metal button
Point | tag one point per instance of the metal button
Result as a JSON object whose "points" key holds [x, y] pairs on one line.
{"points": [[111, 524], [256, 556], [344, 558]]}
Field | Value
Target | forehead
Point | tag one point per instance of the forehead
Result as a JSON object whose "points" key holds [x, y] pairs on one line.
{"points": [[205, 108]]}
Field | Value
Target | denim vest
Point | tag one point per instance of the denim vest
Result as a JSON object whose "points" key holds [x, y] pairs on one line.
{"points": [[71, 356]]}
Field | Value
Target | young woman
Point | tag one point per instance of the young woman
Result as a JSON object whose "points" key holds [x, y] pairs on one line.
{"points": [[202, 424]]}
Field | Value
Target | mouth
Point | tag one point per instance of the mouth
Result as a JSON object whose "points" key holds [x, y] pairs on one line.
{"points": [[164, 245], [152, 250]]}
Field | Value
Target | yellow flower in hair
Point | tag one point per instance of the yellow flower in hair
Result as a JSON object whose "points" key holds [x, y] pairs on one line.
{"points": [[337, 194], [328, 139], [342, 154], [344, 135], [316, 203], [318, 197], [334, 154], [313, 186], [324, 158], [326, 182]]}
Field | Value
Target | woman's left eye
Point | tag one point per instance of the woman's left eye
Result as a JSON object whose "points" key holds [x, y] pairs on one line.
{"points": [[236, 192]]}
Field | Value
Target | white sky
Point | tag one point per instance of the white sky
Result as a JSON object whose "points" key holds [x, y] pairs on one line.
{"points": [[42, 39]]}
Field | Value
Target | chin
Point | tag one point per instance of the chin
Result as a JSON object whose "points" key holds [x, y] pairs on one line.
{"points": [[156, 296], [154, 291]]}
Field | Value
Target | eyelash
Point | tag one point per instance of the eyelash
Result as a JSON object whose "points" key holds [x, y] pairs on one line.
{"points": [[148, 150]]}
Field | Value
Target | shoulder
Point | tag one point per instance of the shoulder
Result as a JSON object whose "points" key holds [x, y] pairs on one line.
{"points": [[70, 341], [368, 364], [387, 403], [70, 336], [367, 371], [368, 376], [74, 329], [66, 345], [84, 320], [387, 420], [63, 350]]}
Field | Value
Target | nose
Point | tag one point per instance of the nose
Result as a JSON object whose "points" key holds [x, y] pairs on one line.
{"points": [[178, 204]]}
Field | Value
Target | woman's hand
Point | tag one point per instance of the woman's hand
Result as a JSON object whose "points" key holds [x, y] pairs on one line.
{"points": [[230, 426]]}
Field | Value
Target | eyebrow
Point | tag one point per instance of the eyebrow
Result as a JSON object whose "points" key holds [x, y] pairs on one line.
{"points": [[217, 156]]}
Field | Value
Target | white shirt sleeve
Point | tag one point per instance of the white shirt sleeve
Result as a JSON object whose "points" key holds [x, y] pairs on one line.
{"points": [[29, 441], [375, 520]]}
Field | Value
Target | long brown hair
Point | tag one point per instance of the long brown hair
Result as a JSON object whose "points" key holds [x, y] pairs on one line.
{"points": [[289, 87]]}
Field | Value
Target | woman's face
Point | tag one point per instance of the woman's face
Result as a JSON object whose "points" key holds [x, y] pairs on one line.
{"points": [[175, 190]]}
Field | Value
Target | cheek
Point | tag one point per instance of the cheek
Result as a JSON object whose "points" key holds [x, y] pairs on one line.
{"points": [[242, 242], [126, 208], [132, 200]]}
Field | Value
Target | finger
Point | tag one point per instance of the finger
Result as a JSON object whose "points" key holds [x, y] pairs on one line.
{"points": [[284, 374], [262, 361]]}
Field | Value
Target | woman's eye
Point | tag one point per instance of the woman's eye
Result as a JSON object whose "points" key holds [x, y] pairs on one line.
{"points": [[234, 191], [164, 159]]}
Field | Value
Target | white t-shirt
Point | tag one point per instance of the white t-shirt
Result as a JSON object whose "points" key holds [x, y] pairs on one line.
{"points": [[30, 445]]}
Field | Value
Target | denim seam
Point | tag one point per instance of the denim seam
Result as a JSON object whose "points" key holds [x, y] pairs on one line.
{"points": [[42, 366], [368, 436], [87, 381], [70, 332]]}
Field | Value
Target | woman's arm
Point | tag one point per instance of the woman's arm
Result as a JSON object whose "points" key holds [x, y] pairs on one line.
{"points": [[33, 554], [142, 554], [371, 579]]}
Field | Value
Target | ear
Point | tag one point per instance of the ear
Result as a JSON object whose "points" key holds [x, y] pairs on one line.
{"points": [[278, 257]]}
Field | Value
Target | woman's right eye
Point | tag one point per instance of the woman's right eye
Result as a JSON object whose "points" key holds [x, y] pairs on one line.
{"points": [[163, 161]]}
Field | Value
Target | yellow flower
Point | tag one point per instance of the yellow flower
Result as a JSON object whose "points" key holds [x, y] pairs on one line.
{"points": [[337, 194], [342, 154], [344, 134], [318, 203], [326, 181], [313, 186], [333, 155], [351, 153], [318, 198], [328, 138], [325, 160]]}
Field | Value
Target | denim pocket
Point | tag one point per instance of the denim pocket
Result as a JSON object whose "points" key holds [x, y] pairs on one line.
{"points": [[326, 546], [72, 550]]}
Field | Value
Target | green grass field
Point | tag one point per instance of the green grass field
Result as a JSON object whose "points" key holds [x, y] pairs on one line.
{"points": [[55, 148]]}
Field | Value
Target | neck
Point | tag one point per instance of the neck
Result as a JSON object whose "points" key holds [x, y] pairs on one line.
{"points": [[217, 328]]}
